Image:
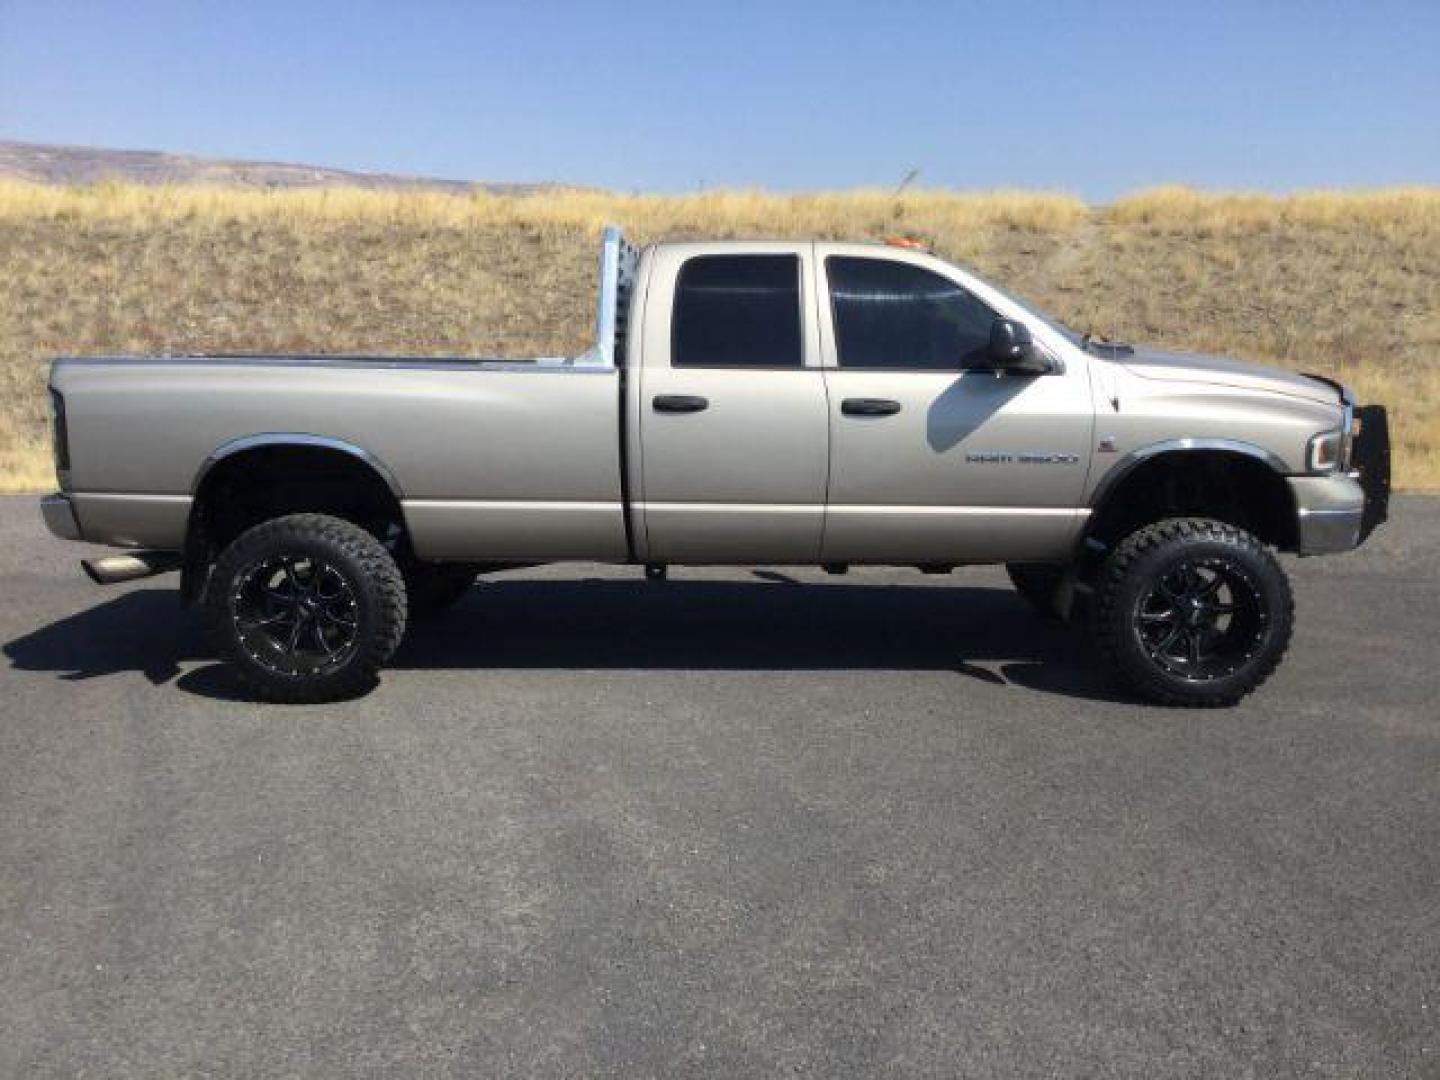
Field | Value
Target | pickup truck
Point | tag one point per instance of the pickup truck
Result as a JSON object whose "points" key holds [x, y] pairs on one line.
{"points": [[745, 402]]}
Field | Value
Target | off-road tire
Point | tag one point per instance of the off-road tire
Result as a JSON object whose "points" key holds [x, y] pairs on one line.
{"points": [[376, 595], [1038, 584], [433, 588], [1139, 567]]}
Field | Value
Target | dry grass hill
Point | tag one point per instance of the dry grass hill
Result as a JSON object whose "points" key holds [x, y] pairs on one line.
{"points": [[1347, 284]]}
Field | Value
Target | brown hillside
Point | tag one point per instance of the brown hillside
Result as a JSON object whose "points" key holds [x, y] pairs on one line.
{"points": [[1337, 283]]}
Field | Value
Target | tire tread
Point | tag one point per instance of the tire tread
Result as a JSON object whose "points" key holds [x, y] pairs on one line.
{"points": [[1111, 624], [381, 578]]}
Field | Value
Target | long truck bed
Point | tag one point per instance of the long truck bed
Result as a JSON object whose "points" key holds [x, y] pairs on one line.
{"points": [[499, 458]]}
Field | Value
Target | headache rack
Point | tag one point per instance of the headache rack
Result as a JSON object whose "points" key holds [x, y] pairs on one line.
{"points": [[618, 260]]}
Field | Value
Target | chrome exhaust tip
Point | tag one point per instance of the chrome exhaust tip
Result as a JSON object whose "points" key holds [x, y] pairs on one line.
{"points": [[139, 564]]}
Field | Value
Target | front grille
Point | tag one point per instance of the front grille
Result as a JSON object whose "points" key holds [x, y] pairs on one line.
{"points": [[1370, 455]]}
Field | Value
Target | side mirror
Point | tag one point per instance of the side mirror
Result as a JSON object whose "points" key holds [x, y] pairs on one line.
{"points": [[1012, 349]]}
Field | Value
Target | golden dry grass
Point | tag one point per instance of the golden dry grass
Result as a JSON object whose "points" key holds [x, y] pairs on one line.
{"points": [[1347, 283]]}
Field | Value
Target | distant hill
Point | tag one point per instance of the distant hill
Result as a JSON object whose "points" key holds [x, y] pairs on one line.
{"points": [[48, 164]]}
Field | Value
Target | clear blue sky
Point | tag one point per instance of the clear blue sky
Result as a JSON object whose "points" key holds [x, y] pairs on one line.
{"points": [[1094, 98]]}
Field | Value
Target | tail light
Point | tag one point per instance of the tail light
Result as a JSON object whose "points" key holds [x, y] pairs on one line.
{"points": [[60, 435]]}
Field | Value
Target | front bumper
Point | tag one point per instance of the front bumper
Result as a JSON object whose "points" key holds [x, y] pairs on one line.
{"points": [[59, 514], [1338, 513], [1329, 511]]}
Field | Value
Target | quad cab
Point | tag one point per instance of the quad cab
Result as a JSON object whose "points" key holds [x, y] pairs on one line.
{"points": [[745, 402]]}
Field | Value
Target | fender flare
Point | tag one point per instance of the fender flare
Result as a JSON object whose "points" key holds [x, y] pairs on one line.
{"points": [[1139, 456], [288, 438], [194, 566]]}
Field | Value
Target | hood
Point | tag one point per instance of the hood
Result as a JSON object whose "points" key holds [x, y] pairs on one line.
{"points": [[1219, 371]]}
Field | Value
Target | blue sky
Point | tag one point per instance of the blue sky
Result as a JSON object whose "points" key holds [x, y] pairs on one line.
{"points": [[1092, 98]]}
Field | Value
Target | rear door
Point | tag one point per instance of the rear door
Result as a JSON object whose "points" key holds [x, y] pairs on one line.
{"points": [[931, 461], [731, 411]]}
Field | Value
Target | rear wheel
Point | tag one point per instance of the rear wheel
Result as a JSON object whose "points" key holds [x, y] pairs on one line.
{"points": [[1193, 612], [307, 607]]}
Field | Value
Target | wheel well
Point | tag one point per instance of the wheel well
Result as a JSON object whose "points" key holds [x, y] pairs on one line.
{"points": [[266, 482], [1220, 484]]}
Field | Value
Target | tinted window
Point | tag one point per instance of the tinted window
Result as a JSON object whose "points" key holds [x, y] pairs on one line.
{"points": [[894, 315], [737, 311]]}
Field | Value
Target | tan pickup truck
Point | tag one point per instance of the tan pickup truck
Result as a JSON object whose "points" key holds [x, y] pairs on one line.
{"points": [[745, 402]]}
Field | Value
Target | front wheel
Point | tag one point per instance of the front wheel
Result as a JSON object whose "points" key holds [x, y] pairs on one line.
{"points": [[307, 607], [1193, 612]]}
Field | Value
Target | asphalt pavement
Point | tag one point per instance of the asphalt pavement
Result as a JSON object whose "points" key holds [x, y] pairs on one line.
{"points": [[739, 823]]}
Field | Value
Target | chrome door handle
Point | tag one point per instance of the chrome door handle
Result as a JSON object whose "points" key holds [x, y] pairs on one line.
{"points": [[869, 406]]}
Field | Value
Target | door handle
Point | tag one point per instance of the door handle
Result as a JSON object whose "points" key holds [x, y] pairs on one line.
{"points": [[869, 406], [680, 403]]}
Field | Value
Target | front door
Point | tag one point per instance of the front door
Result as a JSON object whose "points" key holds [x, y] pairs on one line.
{"points": [[931, 460], [731, 411]]}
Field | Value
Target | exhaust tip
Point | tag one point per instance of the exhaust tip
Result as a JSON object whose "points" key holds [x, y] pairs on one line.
{"points": [[111, 569]]}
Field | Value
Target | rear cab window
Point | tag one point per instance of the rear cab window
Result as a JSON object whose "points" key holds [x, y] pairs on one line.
{"points": [[737, 311]]}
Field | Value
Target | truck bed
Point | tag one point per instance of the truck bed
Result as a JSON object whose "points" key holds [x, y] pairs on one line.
{"points": [[516, 451], [490, 457]]}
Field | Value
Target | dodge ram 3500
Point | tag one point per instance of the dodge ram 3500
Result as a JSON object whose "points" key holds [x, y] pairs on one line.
{"points": [[745, 402]]}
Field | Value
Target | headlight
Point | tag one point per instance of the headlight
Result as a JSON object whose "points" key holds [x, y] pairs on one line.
{"points": [[1324, 452]]}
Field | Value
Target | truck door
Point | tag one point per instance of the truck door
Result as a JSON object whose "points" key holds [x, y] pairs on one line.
{"points": [[931, 461], [730, 415]]}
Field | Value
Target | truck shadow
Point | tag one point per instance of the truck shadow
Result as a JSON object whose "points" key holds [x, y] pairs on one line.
{"points": [[987, 634]]}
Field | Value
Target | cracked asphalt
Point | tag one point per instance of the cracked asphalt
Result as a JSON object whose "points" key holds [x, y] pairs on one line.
{"points": [[726, 825]]}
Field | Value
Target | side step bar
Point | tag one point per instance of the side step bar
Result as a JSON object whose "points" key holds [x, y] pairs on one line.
{"points": [[137, 564]]}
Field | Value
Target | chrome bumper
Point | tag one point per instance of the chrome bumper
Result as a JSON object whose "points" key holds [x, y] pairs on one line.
{"points": [[1329, 512], [59, 514]]}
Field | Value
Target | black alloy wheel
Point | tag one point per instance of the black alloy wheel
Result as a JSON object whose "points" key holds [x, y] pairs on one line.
{"points": [[1203, 620], [1190, 611], [295, 614], [307, 607]]}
